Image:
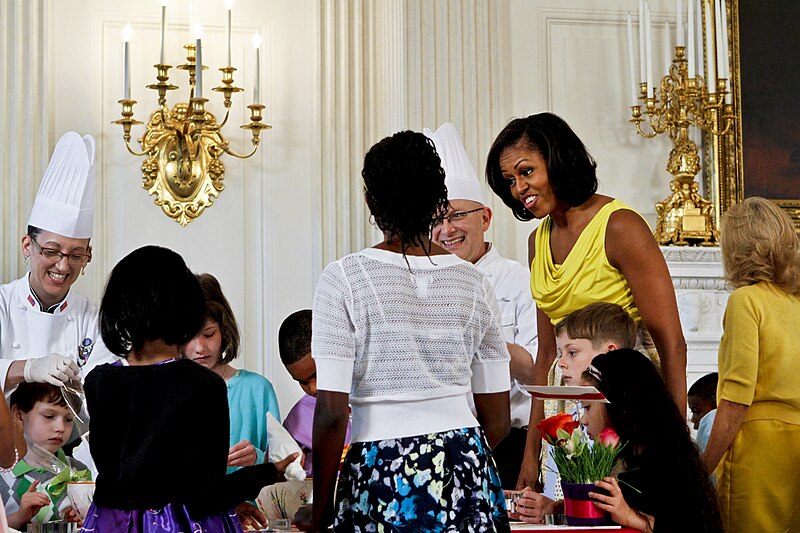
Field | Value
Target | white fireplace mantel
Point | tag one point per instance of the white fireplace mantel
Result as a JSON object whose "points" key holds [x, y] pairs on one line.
{"points": [[702, 294]]}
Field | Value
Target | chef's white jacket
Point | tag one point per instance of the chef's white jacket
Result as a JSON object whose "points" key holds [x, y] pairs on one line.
{"points": [[26, 332], [511, 283]]}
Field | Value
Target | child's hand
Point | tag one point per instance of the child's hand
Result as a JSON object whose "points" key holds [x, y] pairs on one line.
{"points": [[242, 454], [617, 507], [532, 506], [32, 502], [283, 463], [71, 515], [250, 516], [303, 519]]}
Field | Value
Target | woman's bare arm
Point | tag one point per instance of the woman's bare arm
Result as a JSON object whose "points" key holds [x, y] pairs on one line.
{"points": [[631, 248], [727, 422]]}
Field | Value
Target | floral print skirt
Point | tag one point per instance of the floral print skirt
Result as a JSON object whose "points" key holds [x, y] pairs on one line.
{"points": [[433, 483]]}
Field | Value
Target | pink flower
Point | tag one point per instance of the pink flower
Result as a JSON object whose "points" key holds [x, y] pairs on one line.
{"points": [[608, 437]]}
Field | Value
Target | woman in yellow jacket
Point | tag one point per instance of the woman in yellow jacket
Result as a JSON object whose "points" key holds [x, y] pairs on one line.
{"points": [[755, 442]]}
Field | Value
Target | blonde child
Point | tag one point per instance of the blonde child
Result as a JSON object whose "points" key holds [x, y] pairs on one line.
{"points": [[596, 328], [47, 422]]}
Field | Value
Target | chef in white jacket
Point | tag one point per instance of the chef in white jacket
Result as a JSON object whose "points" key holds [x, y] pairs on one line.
{"points": [[47, 332], [461, 232]]}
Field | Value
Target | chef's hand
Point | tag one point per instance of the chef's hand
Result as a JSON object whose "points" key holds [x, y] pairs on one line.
{"points": [[54, 369]]}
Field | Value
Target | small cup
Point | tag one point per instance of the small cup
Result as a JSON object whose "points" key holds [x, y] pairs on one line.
{"points": [[511, 500], [281, 524], [554, 519]]}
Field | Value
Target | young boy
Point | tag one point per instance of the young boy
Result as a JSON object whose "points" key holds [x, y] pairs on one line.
{"points": [[294, 345], [702, 399], [597, 328], [47, 422]]}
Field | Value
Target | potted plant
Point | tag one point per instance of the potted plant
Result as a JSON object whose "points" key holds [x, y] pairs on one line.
{"points": [[580, 464]]}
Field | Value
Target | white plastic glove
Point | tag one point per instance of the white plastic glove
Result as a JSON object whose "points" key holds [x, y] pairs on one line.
{"points": [[54, 369]]}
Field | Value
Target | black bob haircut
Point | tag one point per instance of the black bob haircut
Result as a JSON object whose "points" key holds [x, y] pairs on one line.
{"points": [[570, 168], [151, 294]]}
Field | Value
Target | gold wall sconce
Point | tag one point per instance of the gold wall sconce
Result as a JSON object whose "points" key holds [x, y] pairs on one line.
{"points": [[183, 145]]}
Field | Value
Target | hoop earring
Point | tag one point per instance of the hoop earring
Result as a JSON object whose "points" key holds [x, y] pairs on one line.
{"points": [[83, 271]]}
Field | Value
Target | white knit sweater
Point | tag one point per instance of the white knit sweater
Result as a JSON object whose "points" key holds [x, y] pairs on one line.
{"points": [[408, 345]]}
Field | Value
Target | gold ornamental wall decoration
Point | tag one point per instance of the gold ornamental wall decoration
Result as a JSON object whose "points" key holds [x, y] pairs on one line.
{"points": [[183, 145], [685, 98]]}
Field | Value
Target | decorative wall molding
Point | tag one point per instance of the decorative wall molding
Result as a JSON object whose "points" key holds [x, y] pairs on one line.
{"points": [[702, 295], [687, 254]]}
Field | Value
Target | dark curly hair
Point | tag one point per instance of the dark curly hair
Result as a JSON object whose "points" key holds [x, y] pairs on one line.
{"points": [[570, 168], [659, 446], [294, 337], [404, 187], [219, 310], [151, 294]]}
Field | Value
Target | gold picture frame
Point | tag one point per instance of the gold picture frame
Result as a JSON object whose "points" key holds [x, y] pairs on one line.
{"points": [[757, 159]]}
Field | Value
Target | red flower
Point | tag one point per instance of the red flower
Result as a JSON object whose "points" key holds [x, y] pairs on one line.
{"points": [[608, 437], [550, 426]]}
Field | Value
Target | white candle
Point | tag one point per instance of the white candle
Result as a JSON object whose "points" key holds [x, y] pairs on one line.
{"points": [[642, 61], [711, 70], [667, 47], [228, 8], [648, 43], [257, 85], [127, 31], [679, 23], [198, 62], [725, 67], [718, 39], [698, 18], [690, 37], [631, 61], [163, 27], [726, 61]]}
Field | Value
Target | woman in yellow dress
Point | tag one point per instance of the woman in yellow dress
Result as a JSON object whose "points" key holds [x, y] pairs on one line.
{"points": [[588, 248], [755, 442]]}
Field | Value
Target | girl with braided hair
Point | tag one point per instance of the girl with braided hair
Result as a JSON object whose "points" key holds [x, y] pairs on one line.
{"points": [[404, 332]]}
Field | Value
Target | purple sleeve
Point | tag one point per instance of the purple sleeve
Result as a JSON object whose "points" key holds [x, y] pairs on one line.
{"points": [[300, 421]]}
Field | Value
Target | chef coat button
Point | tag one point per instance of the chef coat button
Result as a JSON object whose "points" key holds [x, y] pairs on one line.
{"points": [[70, 318], [22, 308], [15, 345]]}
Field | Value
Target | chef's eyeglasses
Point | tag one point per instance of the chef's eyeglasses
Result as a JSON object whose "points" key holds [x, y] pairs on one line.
{"points": [[456, 217], [51, 254]]}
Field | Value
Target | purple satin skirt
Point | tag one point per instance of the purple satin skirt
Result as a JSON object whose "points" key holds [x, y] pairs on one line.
{"points": [[172, 518]]}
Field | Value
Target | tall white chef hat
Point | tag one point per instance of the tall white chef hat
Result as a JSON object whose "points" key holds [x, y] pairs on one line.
{"points": [[65, 202], [460, 176]]}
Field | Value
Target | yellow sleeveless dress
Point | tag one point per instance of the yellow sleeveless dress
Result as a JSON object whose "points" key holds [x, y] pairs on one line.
{"points": [[585, 277]]}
